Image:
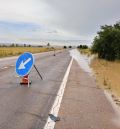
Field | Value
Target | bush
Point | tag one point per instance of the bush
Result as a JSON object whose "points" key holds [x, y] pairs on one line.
{"points": [[82, 47], [107, 42], [65, 47]]}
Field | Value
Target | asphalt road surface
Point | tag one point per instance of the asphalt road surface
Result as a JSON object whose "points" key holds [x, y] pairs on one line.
{"points": [[28, 108]]}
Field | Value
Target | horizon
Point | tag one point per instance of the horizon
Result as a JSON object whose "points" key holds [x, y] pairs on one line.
{"points": [[34, 21], [52, 43]]}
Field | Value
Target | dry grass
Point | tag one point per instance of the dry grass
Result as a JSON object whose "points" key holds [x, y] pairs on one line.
{"points": [[13, 51], [85, 51], [108, 74]]}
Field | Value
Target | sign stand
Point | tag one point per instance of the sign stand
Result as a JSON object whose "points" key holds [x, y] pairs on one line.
{"points": [[28, 82], [54, 52], [38, 72], [25, 81], [23, 67]]}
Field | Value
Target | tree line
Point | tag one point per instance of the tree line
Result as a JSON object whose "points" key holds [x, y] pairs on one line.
{"points": [[107, 42], [82, 47], [18, 45]]}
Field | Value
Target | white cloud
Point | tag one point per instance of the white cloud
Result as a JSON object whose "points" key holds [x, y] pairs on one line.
{"points": [[69, 18], [26, 11], [83, 17]]}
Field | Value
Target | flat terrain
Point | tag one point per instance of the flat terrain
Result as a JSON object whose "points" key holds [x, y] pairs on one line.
{"points": [[28, 108]]}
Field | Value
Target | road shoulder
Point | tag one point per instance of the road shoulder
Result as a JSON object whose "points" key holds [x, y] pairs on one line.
{"points": [[84, 105]]}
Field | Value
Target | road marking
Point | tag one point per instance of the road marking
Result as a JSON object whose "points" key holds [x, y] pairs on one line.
{"points": [[12, 65], [4, 67], [50, 124]]}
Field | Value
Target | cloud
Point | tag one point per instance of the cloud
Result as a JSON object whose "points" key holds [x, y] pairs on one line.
{"points": [[84, 17], [56, 19], [35, 11]]}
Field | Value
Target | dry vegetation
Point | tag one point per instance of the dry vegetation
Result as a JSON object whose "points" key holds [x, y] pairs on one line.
{"points": [[85, 51], [108, 74], [13, 51]]}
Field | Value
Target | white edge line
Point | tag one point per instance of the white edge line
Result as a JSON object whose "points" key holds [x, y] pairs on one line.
{"points": [[12, 65], [4, 67], [50, 124]]}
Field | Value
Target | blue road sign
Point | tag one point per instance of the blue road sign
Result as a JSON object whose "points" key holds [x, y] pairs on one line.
{"points": [[24, 64]]}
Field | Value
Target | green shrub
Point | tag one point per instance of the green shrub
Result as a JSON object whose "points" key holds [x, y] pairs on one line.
{"points": [[107, 42]]}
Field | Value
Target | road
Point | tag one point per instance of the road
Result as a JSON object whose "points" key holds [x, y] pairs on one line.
{"points": [[28, 108], [84, 104]]}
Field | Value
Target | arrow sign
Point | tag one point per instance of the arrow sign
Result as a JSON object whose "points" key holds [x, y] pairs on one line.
{"points": [[24, 64]]}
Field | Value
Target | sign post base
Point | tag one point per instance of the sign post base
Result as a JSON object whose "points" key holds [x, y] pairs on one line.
{"points": [[25, 81]]}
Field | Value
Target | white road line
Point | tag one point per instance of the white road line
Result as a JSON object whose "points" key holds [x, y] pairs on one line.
{"points": [[4, 67], [12, 65], [7, 67], [50, 124]]}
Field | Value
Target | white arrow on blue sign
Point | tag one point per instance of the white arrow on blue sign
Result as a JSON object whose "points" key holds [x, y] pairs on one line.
{"points": [[24, 64]]}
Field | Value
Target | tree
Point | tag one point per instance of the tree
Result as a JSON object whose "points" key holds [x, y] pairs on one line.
{"points": [[107, 42], [17, 45], [64, 47], [25, 45], [48, 44], [12, 45], [82, 47]]}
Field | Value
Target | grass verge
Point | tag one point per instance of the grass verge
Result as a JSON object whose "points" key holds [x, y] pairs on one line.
{"points": [[107, 74]]}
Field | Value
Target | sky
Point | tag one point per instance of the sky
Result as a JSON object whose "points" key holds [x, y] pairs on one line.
{"points": [[33, 21]]}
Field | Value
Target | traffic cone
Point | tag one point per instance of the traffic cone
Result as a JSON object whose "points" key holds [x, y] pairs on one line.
{"points": [[25, 80]]}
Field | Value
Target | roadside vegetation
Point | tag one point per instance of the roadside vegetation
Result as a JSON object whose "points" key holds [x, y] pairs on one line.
{"points": [[106, 64], [84, 49], [107, 43], [6, 51], [65, 47], [107, 74]]}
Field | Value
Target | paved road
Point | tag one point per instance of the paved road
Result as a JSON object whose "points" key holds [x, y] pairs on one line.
{"points": [[84, 104], [28, 108]]}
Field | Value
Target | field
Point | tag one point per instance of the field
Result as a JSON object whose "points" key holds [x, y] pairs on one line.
{"points": [[85, 51], [13, 51], [107, 74]]}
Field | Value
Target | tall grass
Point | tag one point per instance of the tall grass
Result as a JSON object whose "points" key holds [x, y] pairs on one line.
{"points": [[85, 51], [108, 74]]}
